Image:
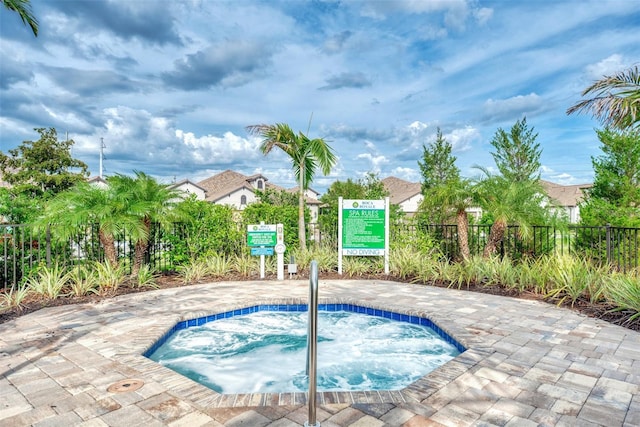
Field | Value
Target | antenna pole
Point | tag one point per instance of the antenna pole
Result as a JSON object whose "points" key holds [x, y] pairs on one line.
{"points": [[101, 154]]}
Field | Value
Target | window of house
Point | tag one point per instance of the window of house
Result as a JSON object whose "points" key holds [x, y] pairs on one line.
{"points": [[243, 200], [259, 184]]}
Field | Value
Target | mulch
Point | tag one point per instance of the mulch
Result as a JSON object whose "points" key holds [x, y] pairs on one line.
{"points": [[598, 310]]}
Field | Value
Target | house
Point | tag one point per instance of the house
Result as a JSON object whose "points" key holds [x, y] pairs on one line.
{"points": [[233, 188], [407, 195], [238, 190], [98, 181], [566, 198], [188, 187]]}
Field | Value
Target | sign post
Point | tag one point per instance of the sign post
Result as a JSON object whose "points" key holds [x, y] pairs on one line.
{"points": [[363, 229], [280, 248]]}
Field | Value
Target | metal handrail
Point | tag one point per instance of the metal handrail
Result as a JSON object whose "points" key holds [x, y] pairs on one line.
{"points": [[312, 341]]}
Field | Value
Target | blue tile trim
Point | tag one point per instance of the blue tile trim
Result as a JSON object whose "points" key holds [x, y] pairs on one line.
{"points": [[416, 320]]}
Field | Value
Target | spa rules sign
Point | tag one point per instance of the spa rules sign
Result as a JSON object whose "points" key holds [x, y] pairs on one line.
{"points": [[363, 229]]}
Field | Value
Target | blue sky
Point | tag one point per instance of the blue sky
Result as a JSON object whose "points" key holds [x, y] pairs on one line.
{"points": [[171, 85]]}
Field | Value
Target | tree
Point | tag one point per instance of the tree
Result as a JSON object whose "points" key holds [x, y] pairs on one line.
{"points": [[509, 202], [438, 171], [616, 100], [450, 199], [128, 205], [445, 194], [144, 201], [306, 156], [23, 8], [438, 164], [18, 209], [615, 196], [42, 168], [517, 155], [81, 207]]}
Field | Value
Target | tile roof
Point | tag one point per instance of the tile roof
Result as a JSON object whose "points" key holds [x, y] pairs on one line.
{"points": [[185, 181], [400, 190], [227, 182], [565, 195]]}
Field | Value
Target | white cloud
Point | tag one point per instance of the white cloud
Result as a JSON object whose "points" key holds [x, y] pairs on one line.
{"points": [[408, 174], [514, 107], [609, 66], [483, 15], [400, 72], [463, 138], [417, 127], [376, 161]]}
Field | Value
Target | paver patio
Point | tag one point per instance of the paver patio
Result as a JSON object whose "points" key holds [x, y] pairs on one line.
{"points": [[527, 363]]}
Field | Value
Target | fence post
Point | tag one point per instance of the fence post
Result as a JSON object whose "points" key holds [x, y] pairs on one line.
{"points": [[608, 242], [48, 245]]}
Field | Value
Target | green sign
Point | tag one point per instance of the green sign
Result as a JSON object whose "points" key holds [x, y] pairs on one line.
{"points": [[363, 227], [261, 235]]}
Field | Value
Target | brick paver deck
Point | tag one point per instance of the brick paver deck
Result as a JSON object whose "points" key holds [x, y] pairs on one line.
{"points": [[527, 364]]}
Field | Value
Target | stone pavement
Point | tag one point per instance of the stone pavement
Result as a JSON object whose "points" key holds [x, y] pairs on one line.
{"points": [[527, 364]]}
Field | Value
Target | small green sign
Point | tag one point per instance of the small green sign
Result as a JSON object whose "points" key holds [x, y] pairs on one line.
{"points": [[261, 235]]}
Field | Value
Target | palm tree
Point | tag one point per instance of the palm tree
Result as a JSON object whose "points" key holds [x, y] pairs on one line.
{"points": [[617, 99], [306, 156], [143, 201], [452, 197], [81, 207], [23, 7], [509, 202]]}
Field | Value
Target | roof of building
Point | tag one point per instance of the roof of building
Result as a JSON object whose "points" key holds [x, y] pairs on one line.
{"points": [[400, 190], [565, 195], [186, 181], [96, 179], [227, 182]]}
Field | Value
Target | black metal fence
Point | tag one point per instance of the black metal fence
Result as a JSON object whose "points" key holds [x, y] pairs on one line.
{"points": [[615, 246], [23, 247]]}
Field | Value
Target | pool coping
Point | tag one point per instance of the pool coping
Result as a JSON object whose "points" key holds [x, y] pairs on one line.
{"points": [[202, 395], [528, 363]]}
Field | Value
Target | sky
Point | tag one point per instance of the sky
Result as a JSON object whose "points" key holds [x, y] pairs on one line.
{"points": [[169, 87]]}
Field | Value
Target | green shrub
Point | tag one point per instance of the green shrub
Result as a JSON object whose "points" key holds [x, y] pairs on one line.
{"points": [[48, 281], [218, 265], [14, 298], [193, 272], [571, 278], [109, 277], [147, 278], [82, 281], [245, 264], [207, 228], [501, 272], [355, 266], [404, 262], [623, 291]]}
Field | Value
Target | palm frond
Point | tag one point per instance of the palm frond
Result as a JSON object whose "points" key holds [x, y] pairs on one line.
{"points": [[616, 101], [23, 8]]}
